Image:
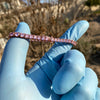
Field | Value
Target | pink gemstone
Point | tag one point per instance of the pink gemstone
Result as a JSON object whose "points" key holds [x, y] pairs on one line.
{"points": [[22, 35], [35, 37], [55, 39], [74, 43], [26, 36], [38, 37], [64, 40], [52, 39], [43, 38], [16, 34], [69, 41], [11, 34], [47, 38], [61, 40], [58, 40], [31, 37]]}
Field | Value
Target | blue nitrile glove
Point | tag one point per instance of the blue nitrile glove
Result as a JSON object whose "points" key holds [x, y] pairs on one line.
{"points": [[59, 75]]}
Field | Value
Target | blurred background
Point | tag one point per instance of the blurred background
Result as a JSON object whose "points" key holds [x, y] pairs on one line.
{"points": [[53, 18]]}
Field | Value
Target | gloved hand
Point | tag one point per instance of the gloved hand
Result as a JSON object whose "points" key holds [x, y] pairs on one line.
{"points": [[59, 75]]}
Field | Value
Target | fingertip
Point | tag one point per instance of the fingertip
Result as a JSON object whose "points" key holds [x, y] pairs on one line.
{"points": [[23, 28], [84, 22], [85, 89], [93, 76], [76, 31], [84, 25], [90, 77], [88, 84], [73, 67], [81, 28], [74, 55]]}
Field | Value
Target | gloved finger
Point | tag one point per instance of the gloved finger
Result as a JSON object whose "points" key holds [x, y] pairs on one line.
{"points": [[73, 33], [49, 63], [97, 94], [13, 60], [70, 73], [85, 89]]}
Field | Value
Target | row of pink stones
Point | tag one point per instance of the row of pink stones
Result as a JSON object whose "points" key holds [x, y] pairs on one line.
{"points": [[40, 38]]}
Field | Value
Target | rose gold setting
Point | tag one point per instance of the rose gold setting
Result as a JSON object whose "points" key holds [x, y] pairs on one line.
{"points": [[40, 38]]}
